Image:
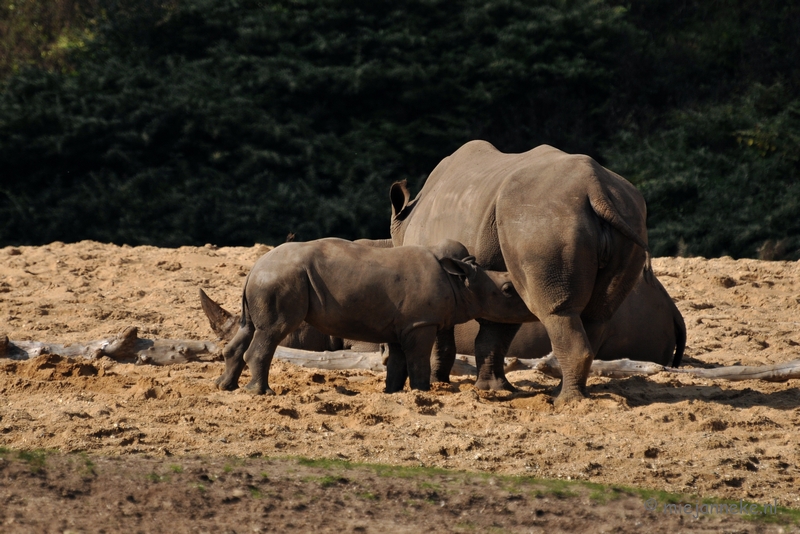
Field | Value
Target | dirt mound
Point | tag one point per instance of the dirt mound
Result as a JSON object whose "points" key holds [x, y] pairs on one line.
{"points": [[675, 433]]}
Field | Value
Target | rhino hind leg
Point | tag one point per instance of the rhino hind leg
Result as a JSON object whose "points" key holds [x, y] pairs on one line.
{"points": [[443, 356], [396, 368], [417, 346], [234, 358], [411, 358], [573, 350], [259, 359], [491, 347]]}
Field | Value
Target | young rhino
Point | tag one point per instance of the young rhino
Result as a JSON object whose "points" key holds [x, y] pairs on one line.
{"points": [[402, 296]]}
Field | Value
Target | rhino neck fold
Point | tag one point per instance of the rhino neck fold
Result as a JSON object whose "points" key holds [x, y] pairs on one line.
{"points": [[466, 306]]}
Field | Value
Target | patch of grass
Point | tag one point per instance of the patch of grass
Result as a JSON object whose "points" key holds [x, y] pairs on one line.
{"points": [[88, 464], [604, 494], [433, 478], [328, 481], [4, 450], [156, 478], [414, 503], [35, 459], [255, 492], [782, 515], [398, 471], [325, 463], [200, 488], [176, 468], [558, 488]]}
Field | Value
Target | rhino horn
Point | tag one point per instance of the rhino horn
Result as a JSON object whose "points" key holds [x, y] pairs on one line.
{"points": [[222, 322]]}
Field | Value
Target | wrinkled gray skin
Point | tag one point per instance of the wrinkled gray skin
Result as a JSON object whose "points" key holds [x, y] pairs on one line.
{"points": [[647, 327], [570, 233], [402, 297], [306, 337]]}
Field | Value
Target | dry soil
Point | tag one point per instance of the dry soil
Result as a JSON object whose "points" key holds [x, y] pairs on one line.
{"points": [[140, 447]]}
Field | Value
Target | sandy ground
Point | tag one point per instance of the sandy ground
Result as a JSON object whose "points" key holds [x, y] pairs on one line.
{"points": [[711, 439]]}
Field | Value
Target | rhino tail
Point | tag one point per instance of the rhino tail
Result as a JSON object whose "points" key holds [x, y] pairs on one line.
{"points": [[647, 270], [606, 211], [223, 323], [680, 336]]}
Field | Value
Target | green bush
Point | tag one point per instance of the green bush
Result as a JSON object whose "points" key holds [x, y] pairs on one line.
{"points": [[240, 121], [173, 122], [722, 180]]}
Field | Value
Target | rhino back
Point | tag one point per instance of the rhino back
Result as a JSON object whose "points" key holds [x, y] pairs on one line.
{"points": [[478, 188], [371, 294]]}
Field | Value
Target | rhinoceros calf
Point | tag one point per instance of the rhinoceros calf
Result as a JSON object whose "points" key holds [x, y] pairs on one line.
{"points": [[400, 296], [647, 327]]}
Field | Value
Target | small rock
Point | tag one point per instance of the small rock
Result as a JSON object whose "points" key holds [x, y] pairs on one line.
{"points": [[726, 281]]}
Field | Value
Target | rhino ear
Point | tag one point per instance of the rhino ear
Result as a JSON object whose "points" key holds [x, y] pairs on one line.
{"points": [[399, 196], [457, 267]]}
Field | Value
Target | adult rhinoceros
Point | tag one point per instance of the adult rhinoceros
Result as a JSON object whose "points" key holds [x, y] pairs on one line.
{"points": [[571, 234], [646, 327]]}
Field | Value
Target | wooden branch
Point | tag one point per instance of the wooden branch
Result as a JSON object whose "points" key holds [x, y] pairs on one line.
{"points": [[331, 360], [127, 347], [778, 372], [613, 369]]}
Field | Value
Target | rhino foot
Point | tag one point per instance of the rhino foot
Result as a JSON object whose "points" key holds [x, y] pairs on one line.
{"points": [[440, 377], [569, 397], [226, 384], [494, 384], [258, 389]]}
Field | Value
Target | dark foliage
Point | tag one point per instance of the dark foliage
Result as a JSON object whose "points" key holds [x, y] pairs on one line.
{"points": [[238, 121], [233, 122]]}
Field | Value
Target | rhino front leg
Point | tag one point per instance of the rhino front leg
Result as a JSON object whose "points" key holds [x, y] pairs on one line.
{"points": [[234, 358], [417, 345], [396, 368], [443, 356], [491, 347], [259, 359]]}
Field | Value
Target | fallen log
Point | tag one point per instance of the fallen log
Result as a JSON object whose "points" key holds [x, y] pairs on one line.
{"points": [[612, 369], [127, 347], [778, 372]]}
